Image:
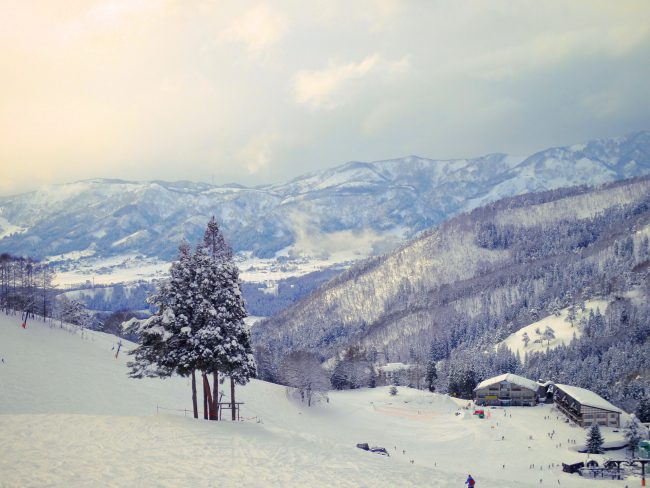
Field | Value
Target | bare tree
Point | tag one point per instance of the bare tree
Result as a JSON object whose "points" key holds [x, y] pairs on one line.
{"points": [[303, 371]]}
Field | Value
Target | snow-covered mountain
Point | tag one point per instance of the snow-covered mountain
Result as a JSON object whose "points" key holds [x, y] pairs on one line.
{"points": [[356, 205], [463, 287]]}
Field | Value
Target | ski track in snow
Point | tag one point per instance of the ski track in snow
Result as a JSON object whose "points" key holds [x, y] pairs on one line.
{"points": [[70, 417]]}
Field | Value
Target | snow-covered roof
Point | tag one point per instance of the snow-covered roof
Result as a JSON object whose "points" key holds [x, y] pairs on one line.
{"points": [[588, 398], [515, 379]]}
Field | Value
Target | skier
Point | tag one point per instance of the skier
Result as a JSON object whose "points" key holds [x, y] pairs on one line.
{"points": [[470, 481]]}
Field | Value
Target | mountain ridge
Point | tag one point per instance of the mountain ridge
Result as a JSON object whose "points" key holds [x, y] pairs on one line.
{"points": [[400, 197]]}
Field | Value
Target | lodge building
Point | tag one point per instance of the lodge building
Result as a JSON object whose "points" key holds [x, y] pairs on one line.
{"points": [[585, 407], [507, 389]]}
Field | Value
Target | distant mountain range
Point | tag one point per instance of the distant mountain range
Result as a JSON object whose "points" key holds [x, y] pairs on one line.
{"points": [[379, 204]]}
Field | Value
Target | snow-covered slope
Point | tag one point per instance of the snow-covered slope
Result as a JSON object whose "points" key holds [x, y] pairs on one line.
{"points": [[70, 417], [563, 330], [356, 205], [495, 267]]}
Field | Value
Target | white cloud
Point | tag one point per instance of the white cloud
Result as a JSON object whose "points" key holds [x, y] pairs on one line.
{"points": [[246, 91], [258, 153], [602, 104], [259, 28], [550, 49], [381, 117], [311, 241], [322, 89]]}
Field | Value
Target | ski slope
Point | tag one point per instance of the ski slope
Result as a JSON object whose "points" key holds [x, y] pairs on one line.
{"points": [[563, 329], [70, 417]]}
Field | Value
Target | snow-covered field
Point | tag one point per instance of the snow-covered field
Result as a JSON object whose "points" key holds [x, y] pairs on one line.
{"points": [[70, 417], [128, 268], [562, 327], [105, 271]]}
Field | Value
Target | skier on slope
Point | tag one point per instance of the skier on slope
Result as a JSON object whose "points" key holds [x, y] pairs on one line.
{"points": [[470, 481]]}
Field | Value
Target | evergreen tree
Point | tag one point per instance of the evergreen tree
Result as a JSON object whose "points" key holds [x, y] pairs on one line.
{"points": [[643, 409], [73, 312], [166, 338], [595, 440], [633, 434], [199, 322], [549, 334], [462, 384], [222, 338], [431, 374], [353, 370]]}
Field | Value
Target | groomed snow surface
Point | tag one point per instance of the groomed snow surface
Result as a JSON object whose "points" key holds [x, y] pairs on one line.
{"points": [[70, 417]]}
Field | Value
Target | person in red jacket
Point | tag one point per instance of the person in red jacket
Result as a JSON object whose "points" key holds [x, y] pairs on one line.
{"points": [[470, 481]]}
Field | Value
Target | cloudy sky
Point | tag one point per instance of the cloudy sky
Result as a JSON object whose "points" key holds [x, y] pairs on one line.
{"points": [[257, 92]]}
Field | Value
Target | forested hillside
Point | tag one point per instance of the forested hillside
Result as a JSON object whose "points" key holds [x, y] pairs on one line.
{"points": [[450, 296]]}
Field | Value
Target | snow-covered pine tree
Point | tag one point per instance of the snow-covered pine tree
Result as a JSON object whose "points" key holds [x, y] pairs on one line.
{"points": [[595, 440], [431, 374], [549, 334], [166, 338], [633, 433], [222, 338], [73, 312], [199, 323], [643, 409]]}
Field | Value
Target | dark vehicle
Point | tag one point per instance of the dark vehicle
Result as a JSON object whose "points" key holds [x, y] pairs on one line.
{"points": [[572, 468], [379, 450]]}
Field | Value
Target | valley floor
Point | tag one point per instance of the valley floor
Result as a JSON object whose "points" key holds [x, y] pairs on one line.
{"points": [[70, 417]]}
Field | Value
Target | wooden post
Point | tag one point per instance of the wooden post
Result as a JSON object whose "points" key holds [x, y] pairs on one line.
{"points": [[195, 407], [215, 396], [643, 474], [232, 397], [205, 397]]}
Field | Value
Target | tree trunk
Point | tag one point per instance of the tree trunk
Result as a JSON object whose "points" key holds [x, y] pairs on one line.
{"points": [[195, 407], [205, 397], [208, 400], [232, 397], [214, 411]]}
